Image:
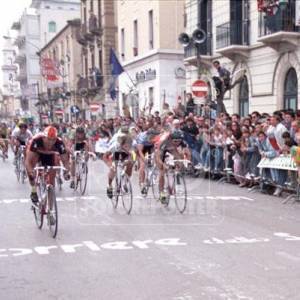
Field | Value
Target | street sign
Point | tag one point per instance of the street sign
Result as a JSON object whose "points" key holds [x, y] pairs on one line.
{"points": [[94, 107], [59, 112], [200, 89], [75, 109], [49, 69]]}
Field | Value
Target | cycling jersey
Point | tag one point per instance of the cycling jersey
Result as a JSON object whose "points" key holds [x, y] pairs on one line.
{"points": [[168, 146], [20, 136], [37, 146]]}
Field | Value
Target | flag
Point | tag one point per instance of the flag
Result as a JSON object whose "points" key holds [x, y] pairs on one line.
{"points": [[116, 70]]}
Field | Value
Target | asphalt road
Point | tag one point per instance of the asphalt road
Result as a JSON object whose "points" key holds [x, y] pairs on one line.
{"points": [[229, 244]]}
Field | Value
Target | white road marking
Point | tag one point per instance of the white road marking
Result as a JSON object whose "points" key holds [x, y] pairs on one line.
{"points": [[95, 198], [91, 246]]}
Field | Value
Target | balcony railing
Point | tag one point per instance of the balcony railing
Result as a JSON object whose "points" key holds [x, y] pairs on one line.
{"points": [[94, 27], [205, 49], [283, 20], [80, 35], [82, 83], [232, 33]]}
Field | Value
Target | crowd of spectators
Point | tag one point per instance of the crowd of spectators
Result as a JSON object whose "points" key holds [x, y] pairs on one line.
{"points": [[220, 144]]}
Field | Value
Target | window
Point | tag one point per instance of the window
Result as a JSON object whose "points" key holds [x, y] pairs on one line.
{"points": [[123, 43], [100, 61], [244, 98], [52, 26], [93, 60], [135, 38], [151, 45], [92, 5], [99, 13], [151, 96], [291, 90]]}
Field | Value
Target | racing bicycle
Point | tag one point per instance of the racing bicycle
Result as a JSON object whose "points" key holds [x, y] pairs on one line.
{"points": [[47, 205], [20, 164], [122, 186], [175, 182], [151, 176], [81, 169]]}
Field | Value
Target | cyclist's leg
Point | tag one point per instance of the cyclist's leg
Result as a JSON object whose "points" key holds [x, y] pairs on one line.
{"points": [[72, 158], [141, 170], [160, 166], [31, 161]]}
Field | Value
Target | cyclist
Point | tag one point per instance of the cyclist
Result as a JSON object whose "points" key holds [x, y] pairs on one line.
{"points": [[174, 145], [4, 134], [120, 149], [145, 145], [78, 143], [20, 136], [45, 148]]}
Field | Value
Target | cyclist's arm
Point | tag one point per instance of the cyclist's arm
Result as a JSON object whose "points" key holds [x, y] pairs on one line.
{"points": [[65, 160]]}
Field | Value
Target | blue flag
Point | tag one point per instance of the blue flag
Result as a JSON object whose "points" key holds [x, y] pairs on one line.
{"points": [[116, 70]]}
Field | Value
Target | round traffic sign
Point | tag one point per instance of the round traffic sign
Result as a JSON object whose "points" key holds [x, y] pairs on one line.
{"points": [[200, 88], [94, 107]]}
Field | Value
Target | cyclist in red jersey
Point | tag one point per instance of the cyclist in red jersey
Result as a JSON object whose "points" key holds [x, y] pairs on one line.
{"points": [[46, 149]]}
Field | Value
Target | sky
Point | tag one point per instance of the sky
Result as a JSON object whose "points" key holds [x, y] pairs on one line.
{"points": [[10, 11]]}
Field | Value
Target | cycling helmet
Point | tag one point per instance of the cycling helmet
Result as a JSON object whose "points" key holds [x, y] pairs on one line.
{"points": [[177, 135], [50, 132]]}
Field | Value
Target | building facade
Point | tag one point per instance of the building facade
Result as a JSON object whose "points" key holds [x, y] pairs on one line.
{"points": [[27, 42], [61, 96], [10, 89], [97, 36], [150, 53], [36, 27], [241, 34]]}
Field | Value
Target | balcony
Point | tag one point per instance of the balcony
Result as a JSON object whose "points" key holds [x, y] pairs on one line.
{"points": [[233, 39], [20, 59], [94, 27], [20, 41], [22, 76], [89, 37], [206, 58], [279, 31], [80, 36]]}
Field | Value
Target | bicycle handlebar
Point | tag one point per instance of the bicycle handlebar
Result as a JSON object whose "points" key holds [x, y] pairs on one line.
{"points": [[48, 168], [92, 154], [172, 162]]}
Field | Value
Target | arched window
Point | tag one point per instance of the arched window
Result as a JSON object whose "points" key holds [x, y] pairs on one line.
{"points": [[291, 90], [52, 26], [244, 98]]}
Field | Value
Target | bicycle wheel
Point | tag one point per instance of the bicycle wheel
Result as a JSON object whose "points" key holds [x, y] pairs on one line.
{"points": [[52, 211], [83, 178], [59, 182], [18, 169], [154, 182], [22, 170], [126, 193], [116, 193], [180, 193]]}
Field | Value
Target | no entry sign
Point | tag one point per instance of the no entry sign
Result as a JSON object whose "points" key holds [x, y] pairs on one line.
{"points": [[200, 89]]}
